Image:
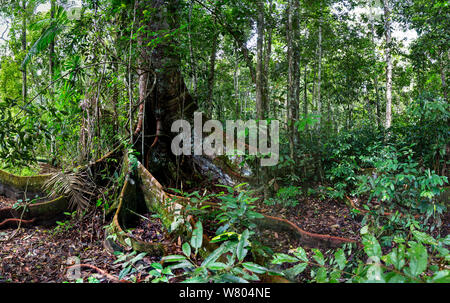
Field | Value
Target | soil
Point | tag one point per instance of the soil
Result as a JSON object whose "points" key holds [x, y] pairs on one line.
{"points": [[328, 217], [6, 202], [151, 229], [39, 254]]}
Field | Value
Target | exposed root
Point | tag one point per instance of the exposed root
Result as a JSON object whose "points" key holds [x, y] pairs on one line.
{"points": [[309, 237], [7, 222]]}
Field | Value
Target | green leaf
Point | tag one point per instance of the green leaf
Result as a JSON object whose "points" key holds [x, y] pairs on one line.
{"points": [[339, 257], [442, 276], [212, 257], [396, 257], [424, 238], [418, 258], [233, 279], [254, 267], [280, 258], [318, 256], [241, 250], [138, 257], [217, 266], [321, 275], [156, 265], [174, 258], [300, 253], [197, 236], [371, 246], [296, 269], [225, 236], [186, 249]]}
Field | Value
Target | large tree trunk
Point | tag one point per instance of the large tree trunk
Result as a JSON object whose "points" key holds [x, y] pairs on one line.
{"points": [[169, 99]]}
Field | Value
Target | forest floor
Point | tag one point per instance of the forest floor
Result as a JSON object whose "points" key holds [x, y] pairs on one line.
{"points": [[42, 254], [327, 217]]}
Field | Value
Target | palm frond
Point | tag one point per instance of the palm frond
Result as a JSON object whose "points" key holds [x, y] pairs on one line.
{"points": [[77, 187], [54, 27], [43, 42]]}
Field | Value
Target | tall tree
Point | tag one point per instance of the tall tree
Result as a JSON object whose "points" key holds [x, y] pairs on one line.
{"points": [[24, 48], [260, 106], [388, 49]]}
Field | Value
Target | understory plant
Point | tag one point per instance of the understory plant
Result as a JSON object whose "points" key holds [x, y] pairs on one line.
{"points": [[286, 196], [420, 258], [236, 210], [225, 264], [398, 182]]}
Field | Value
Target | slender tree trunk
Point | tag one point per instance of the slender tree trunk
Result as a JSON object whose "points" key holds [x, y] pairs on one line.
{"points": [[305, 95], [260, 106], [319, 76], [387, 16], [192, 57], [52, 51], [24, 48], [261, 109], [236, 84], [375, 79], [442, 69], [293, 75], [211, 74], [267, 55]]}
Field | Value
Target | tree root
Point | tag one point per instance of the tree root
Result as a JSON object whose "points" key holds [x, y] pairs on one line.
{"points": [[15, 220]]}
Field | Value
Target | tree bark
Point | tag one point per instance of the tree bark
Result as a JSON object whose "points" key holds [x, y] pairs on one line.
{"points": [[267, 55], [293, 74], [24, 48], [305, 95], [192, 57], [52, 50], [260, 106], [442, 69], [319, 76], [387, 16], [211, 74]]}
